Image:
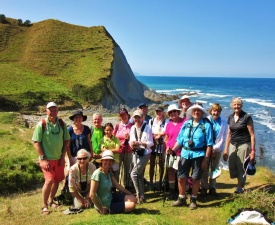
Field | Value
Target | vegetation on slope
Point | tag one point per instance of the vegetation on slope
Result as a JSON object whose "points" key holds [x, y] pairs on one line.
{"points": [[53, 60]]}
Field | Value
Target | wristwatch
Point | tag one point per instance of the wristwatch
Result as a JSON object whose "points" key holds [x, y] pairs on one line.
{"points": [[42, 157]]}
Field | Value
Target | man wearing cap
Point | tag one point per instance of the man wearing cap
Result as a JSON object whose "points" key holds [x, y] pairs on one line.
{"points": [[184, 104], [196, 140], [144, 108], [51, 141]]}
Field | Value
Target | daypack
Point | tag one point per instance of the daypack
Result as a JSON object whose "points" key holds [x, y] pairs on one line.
{"points": [[65, 198], [44, 124]]}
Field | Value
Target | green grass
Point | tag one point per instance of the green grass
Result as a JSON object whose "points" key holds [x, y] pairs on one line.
{"points": [[21, 181], [53, 60]]}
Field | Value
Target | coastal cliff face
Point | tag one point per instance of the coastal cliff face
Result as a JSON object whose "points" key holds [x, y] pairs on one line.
{"points": [[123, 88], [75, 66]]}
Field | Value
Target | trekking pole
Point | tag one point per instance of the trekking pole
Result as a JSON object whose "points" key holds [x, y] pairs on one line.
{"points": [[167, 157], [156, 169]]}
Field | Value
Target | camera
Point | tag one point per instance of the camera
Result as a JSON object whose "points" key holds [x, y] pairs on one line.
{"points": [[190, 143]]}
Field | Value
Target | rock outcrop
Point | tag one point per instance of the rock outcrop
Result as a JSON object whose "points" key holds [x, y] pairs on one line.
{"points": [[123, 88]]}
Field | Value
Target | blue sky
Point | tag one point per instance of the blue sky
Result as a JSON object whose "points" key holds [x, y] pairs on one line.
{"points": [[178, 37]]}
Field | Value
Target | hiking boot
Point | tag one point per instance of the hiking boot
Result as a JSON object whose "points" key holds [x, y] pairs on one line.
{"points": [[239, 190], [203, 192], [212, 191], [171, 195], [180, 202], [193, 204], [141, 200]]}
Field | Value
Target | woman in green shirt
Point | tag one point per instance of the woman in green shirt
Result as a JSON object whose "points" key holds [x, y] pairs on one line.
{"points": [[100, 192]]}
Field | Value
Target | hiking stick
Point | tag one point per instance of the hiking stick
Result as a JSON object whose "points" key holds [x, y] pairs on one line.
{"points": [[167, 157]]}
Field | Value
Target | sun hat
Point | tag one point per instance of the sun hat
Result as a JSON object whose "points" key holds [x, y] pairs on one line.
{"points": [[142, 104], [173, 107], [182, 98], [138, 113], [51, 104], [78, 112], [196, 106], [123, 111], [107, 154], [249, 167], [159, 108]]}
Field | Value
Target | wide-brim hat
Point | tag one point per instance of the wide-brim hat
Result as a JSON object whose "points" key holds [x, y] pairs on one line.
{"points": [[249, 167], [107, 154], [173, 107], [196, 106], [78, 112], [182, 98]]}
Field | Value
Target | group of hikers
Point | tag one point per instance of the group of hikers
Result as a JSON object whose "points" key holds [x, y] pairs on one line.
{"points": [[106, 163]]}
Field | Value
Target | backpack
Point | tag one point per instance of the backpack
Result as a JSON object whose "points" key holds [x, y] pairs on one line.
{"points": [[202, 126], [44, 124], [65, 198]]}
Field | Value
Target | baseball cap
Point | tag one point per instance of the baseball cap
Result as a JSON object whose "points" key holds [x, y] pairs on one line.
{"points": [[51, 104], [122, 111]]}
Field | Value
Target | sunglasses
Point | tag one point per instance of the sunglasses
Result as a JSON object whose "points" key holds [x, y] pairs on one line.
{"points": [[57, 131], [82, 158]]}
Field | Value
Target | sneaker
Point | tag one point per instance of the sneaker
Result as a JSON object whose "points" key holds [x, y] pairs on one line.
{"points": [[193, 204], [180, 202], [171, 195], [212, 191], [203, 192], [239, 190]]}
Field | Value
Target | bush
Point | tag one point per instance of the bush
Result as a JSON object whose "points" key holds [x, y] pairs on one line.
{"points": [[19, 174]]}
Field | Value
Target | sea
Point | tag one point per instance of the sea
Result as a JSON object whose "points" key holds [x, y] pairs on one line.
{"points": [[258, 96]]}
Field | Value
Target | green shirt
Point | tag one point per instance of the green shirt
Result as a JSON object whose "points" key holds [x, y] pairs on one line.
{"points": [[103, 192], [111, 144], [51, 139], [97, 134]]}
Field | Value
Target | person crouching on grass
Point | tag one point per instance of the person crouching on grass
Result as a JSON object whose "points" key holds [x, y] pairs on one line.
{"points": [[102, 181]]}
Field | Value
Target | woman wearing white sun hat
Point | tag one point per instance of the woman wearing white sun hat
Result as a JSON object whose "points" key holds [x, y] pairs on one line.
{"points": [[196, 140], [100, 192], [171, 133]]}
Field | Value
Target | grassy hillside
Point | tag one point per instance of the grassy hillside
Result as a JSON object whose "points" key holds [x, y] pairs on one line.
{"points": [[53, 60]]}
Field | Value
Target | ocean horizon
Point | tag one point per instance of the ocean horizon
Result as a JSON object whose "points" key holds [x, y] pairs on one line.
{"points": [[257, 94]]}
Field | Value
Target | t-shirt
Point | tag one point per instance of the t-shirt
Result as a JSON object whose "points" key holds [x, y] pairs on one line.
{"points": [[79, 141], [103, 192], [172, 130], [51, 138], [119, 132], [111, 144], [239, 130], [97, 134]]}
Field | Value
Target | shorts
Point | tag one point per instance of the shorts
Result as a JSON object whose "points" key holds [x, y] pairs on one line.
{"points": [[118, 203], [173, 162], [56, 172], [185, 166]]}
